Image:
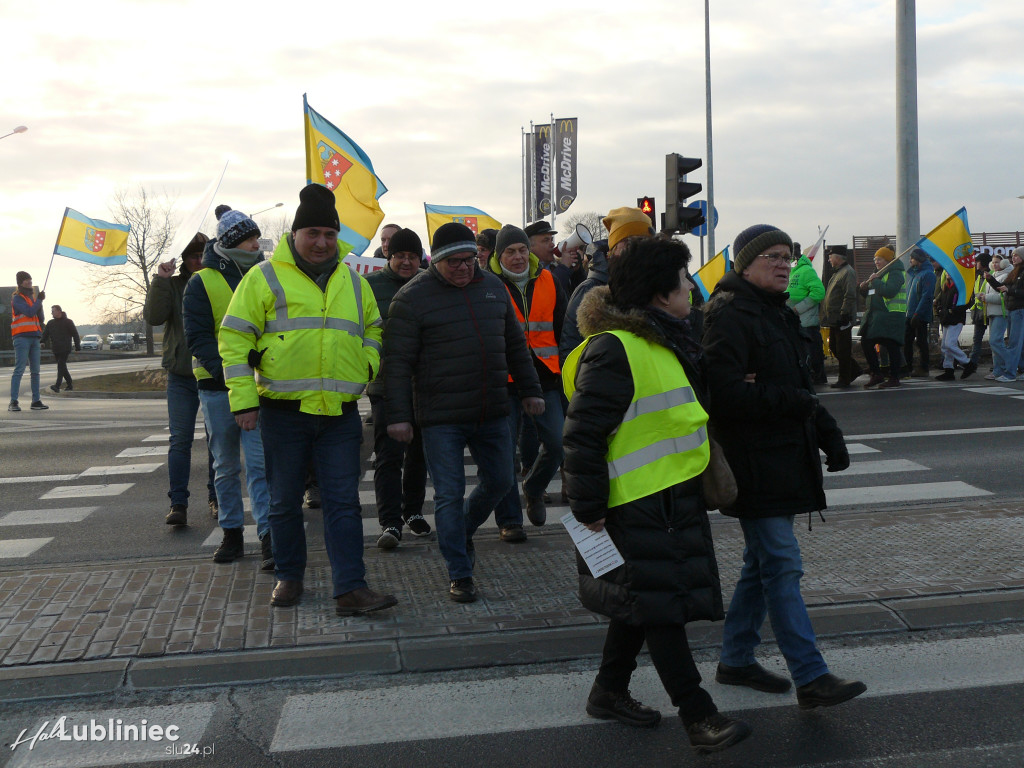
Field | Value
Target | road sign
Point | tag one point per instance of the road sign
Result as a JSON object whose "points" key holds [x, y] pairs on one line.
{"points": [[702, 230]]}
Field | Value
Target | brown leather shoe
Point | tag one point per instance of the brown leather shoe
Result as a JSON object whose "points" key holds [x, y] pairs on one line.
{"points": [[363, 600], [286, 592]]}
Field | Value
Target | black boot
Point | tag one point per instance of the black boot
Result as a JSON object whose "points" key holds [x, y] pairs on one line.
{"points": [[612, 705], [716, 732], [231, 548], [827, 691]]}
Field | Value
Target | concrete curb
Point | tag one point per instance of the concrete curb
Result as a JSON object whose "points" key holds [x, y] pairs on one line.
{"points": [[444, 653]]}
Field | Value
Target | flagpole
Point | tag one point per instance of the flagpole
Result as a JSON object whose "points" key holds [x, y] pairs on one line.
{"points": [[551, 166], [532, 162], [522, 147], [60, 233], [710, 165]]}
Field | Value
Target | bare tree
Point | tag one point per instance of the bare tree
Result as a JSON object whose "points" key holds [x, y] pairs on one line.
{"points": [[590, 219], [272, 229], [120, 292]]}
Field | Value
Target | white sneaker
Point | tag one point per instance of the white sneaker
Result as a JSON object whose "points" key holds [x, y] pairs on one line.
{"points": [[990, 376], [1006, 379]]}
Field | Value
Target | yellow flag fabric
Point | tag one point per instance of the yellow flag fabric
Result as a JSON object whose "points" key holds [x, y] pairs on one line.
{"points": [[337, 162], [707, 277], [473, 218], [949, 244], [92, 240]]}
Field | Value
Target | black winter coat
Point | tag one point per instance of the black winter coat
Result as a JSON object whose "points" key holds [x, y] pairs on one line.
{"points": [[384, 283], [670, 576], [770, 429], [448, 352], [61, 333], [949, 309]]}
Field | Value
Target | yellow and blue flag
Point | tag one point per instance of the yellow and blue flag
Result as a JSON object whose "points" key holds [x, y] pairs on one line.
{"points": [[707, 277], [949, 244], [337, 162], [473, 218], [92, 240]]}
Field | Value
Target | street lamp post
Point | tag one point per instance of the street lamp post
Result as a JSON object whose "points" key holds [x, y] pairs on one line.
{"points": [[18, 129]]}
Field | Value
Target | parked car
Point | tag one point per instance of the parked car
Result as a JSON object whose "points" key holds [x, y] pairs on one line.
{"points": [[92, 341], [121, 340]]}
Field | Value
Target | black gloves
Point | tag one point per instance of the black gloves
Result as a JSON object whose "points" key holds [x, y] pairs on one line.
{"points": [[806, 405], [837, 461], [41, 296], [255, 358]]}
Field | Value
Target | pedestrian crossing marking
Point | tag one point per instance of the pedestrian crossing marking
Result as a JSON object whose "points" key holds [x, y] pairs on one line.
{"points": [[47, 516], [72, 491], [132, 453], [993, 390], [891, 494], [124, 469], [161, 438], [248, 534], [12, 548], [37, 479], [882, 467]]}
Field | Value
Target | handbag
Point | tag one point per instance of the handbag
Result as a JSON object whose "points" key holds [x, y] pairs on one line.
{"points": [[717, 479]]}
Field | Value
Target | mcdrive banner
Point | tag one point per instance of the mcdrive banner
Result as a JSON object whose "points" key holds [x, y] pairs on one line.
{"points": [[565, 163], [541, 172]]}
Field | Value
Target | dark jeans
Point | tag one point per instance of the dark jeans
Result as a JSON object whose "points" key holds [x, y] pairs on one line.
{"points": [[841, 344], [871, 356], [399, 471], [915, 337], [979, 334], [290, 439], [670, 654], [63, 374], [817, 352]]}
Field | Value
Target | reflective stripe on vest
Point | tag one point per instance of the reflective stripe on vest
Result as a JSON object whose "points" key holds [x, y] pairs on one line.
{"points": [[283, 321], [219, 293], [540, 328], [662, 438], [897, 303], [24, 323]]}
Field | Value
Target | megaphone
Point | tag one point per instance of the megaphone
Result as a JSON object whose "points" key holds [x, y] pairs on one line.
{"points": [[578, 239]]}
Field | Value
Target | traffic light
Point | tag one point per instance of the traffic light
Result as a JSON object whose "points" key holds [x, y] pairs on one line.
{"points": [[646, 204], [678, 217]]}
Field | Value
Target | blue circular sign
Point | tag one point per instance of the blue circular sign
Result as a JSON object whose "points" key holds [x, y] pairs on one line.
{"points": [[702, 230]]}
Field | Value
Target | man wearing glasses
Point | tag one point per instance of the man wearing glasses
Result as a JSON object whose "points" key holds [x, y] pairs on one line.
{"points": [[770, 425], [399, 472], [453, 337]]}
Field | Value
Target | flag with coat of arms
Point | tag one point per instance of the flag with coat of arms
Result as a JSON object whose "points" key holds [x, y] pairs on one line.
{"points": [[92, 240]]}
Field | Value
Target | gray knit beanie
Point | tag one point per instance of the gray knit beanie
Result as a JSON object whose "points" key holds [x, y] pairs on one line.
{"points": [[753, 241]]}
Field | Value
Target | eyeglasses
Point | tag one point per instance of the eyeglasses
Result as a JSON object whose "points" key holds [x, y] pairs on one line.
{"points": [[456, 263], [776, 258], [406, 257]]}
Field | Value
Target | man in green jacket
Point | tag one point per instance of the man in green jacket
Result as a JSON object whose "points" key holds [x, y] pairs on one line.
{"points": [[164, 307], [884, 320], [805, 294]]}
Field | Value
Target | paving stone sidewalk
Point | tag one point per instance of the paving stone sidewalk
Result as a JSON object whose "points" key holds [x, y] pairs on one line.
{"points": [[193, 606]]}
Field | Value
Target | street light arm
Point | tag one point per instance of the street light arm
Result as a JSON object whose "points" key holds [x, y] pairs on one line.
{"points": [[275, 205], [18, 129]]}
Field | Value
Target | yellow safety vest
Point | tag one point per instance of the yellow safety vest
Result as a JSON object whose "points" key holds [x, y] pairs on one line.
{"points": [[219, 293], [318, 347], [662, 439]]}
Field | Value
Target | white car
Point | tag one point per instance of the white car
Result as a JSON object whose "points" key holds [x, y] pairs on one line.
{"points": [[121, 340], [92, 341]]}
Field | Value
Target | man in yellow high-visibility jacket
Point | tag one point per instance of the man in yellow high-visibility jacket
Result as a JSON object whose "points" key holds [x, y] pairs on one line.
{"points": [[300, 341]]}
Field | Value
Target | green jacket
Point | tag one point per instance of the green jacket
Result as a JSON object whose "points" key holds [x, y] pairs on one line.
{"points": [[878, 321], [805, 292], [163, 307]]}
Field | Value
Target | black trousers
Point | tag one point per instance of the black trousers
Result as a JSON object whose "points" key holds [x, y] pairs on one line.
{"points": [[817, 354], [399, 471], [670, 653], [841, 344], [62, 367], [891, 347], [915, 337]]}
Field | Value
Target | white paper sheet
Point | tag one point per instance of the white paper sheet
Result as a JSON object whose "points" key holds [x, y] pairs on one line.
{"points": [[597, 548]]}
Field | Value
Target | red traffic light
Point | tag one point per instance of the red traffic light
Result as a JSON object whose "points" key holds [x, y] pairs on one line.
{"points": [[646, 204]]}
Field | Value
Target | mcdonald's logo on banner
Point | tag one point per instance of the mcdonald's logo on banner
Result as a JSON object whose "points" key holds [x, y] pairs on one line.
{"points": [[565, 155]]}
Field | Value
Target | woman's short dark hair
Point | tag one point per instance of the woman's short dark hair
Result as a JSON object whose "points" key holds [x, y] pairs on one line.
{"points": [[648, 268]]}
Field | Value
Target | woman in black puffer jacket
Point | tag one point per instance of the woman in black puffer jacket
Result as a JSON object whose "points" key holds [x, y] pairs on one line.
{"points": [[635, 387]]}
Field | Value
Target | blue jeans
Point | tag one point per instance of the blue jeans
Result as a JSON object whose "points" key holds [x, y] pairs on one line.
{"points": [[1002, 365], [227, 442], [182, 407], [456, 518], [1015, 346], [770, 585], [26, 352], [290, 440], [549, 429]]}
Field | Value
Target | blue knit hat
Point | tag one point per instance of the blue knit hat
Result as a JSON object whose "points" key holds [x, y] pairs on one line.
{"points": [[753, 241], [450, 239], [234, 227]]}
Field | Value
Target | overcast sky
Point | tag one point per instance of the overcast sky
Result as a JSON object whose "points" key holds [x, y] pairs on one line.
{"points": [[160, 94]]}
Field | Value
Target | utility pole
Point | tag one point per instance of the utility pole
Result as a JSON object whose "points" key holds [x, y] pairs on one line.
{"points": [[908, 191]]}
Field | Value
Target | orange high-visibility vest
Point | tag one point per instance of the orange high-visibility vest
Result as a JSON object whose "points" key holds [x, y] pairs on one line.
{"points": [[24, 323], [540, 327]]}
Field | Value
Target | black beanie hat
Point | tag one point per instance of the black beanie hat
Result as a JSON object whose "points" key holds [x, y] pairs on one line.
{"points": [[508, 235], [450, 239], [22, 277], [405, 241], [316, 209], [753, 241]]}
